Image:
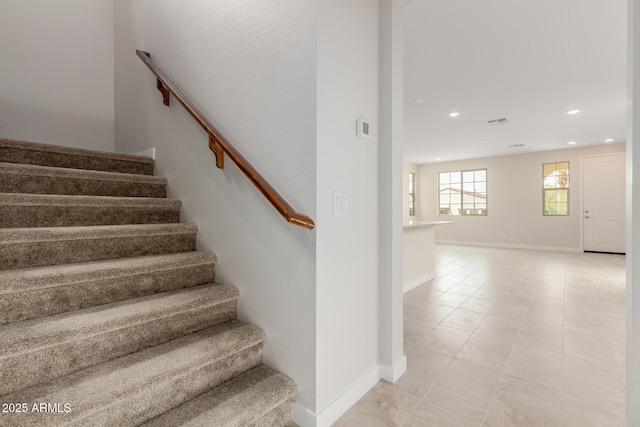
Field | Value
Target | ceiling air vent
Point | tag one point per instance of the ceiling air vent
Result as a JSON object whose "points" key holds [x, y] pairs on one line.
{"points": [[497, 122], [516, 146]]}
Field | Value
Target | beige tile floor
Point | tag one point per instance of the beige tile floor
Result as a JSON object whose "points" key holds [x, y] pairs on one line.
{"points": [[506, 337]]}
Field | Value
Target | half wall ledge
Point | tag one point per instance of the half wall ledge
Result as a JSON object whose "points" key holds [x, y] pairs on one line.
{"points": [[418, 252]]}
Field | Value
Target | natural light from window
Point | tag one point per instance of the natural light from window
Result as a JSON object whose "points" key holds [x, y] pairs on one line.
{"points": [[412, 194], [462, 192], [555, 189]]}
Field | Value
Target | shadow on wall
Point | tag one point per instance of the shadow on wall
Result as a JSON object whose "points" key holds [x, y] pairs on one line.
{"points": [[55, 127]]}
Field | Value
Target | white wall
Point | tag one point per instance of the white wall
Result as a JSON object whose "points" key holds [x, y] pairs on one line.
{"points": [[347, 248], [285, 82], [390, 153], [408, 168], [633, 219], [514, 194], [57, 72], [250, 66]]}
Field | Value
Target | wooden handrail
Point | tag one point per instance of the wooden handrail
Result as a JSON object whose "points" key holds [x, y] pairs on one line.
{"points": [[219, 145]]}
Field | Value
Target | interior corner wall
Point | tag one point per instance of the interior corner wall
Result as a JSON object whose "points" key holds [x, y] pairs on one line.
{"points": [[514, 201], [57, 72], [390, 158], [408, 168], [250, 67], [347, 246], [633, 218]]}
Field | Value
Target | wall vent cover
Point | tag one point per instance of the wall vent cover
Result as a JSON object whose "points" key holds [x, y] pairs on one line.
{"points": [[498, 122]]}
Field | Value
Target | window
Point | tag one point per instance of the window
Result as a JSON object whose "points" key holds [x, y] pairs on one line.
{"points": [[555, 188], [462, 192], [412, 194]]}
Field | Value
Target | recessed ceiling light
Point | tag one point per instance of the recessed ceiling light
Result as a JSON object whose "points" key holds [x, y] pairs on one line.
{"points": [[576, 111], [438, 158], [485, 142], [454, 114], [572, 142], [609, 140], [418, 101]]}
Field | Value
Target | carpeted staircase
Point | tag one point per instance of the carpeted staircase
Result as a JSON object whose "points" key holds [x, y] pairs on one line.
{"points": [[108, 314]]}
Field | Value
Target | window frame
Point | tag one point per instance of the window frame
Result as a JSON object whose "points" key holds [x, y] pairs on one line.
{"points": [[441, 211], [545, 190], [412, 194]]}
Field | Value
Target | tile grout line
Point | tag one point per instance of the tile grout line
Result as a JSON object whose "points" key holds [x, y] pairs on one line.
{"points": [[606, 327], [502, 374], [551, 271], [564, 320], [452, 359]]}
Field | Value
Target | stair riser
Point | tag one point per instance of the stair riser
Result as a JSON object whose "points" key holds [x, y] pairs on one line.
{"points": [[35, 303], [105, 308], [145, 402], [71, 356], [145, 405], [39, 184], [22, 153], [64, 216], [258, 397], [278, 417], [37, 254]]}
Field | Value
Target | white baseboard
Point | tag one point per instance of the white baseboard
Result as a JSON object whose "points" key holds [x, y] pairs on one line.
{"points": [[417, 282], [392, 373], [149, 152], [303, 417], [306, 418], [509, 246]]}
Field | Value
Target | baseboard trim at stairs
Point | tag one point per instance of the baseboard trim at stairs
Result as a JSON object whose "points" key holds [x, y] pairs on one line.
{"points": [[307, 418], [149, 152]]}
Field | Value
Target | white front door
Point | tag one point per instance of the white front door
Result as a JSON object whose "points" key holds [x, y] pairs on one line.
{"points": [[604, 203]]}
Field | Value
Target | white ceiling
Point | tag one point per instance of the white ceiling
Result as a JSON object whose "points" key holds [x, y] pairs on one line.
{"points": [[529, 61]]}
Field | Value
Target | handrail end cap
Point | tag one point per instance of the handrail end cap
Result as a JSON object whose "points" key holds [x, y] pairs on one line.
{"points": [[302, 221]]}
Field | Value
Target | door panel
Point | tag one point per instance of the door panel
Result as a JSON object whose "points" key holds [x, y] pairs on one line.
{"points": [[604, 203]]}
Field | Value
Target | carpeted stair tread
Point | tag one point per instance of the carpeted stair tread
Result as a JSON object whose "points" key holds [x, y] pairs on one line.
{"points": [[19, 178], [242, 401], [108, 314], [135, 388], [41, 349], [14, 151], [44, 210], [37, 292], [42, 246]]}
